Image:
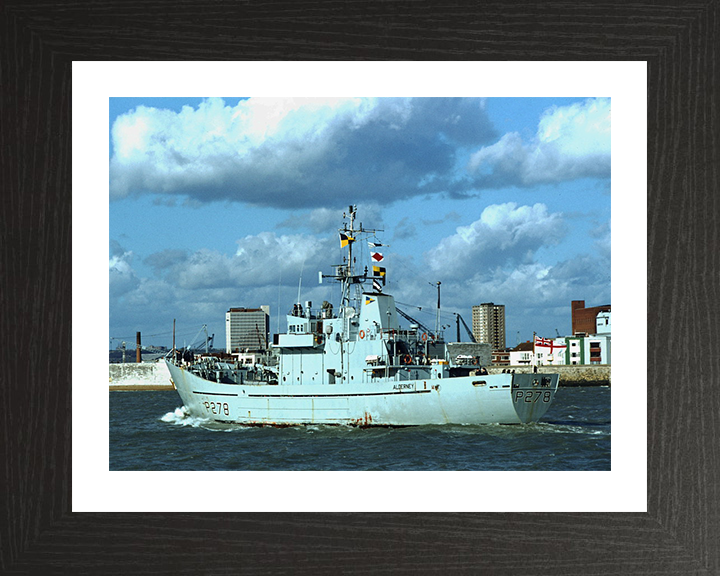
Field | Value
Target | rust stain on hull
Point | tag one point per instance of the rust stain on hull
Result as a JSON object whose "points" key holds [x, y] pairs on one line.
{"points": [[366, 421]]}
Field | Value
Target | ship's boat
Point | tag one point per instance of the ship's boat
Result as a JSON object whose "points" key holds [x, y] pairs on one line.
{"points": [[355, 366]]}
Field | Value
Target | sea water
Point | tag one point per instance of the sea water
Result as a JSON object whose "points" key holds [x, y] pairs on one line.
{"points": [[153, 431]]}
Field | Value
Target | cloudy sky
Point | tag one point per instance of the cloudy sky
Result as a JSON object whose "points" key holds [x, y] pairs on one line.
{"points": [[218, 203]]}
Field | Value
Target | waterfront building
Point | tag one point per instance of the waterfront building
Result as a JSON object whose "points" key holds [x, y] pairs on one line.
{"points": [[578, 350], [602, 323], [488, 324], [501, 357], [247, 328], [584, 320], [550, 351], [593, 349], [522, 354]]}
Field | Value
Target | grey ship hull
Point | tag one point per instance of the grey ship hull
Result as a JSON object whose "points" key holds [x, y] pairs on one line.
{"points": [[356, 366], [496, 399]]}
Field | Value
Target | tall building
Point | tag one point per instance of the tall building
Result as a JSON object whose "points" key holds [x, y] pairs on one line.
{"points": [[247, 328], [488, 324]]}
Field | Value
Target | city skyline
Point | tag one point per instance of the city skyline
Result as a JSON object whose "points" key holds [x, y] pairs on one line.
{"points": [[220, 203]]}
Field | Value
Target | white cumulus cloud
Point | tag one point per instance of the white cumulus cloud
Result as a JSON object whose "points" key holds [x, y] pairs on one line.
{"points": [[504, 234], [122, 275], [295, 152], [265, 259], [269, 258], [571, 142], [325, 220]]}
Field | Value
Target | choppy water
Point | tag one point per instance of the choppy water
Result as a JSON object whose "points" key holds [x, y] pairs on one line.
{"points": [[151, 431]]}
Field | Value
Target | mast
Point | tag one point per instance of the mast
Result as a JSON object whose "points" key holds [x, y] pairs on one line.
{"points": [[351, 210], [347, 281], [345, 272], [348, 269]]}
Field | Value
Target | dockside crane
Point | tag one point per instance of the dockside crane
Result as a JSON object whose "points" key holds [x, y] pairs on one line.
{"points": [[429, 332], [208, 339], [261, 339], [458, 320]]}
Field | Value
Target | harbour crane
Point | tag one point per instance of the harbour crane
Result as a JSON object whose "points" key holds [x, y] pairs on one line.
{"points": [[208, 338], [430, 333], [261, 340], [458, 320]]}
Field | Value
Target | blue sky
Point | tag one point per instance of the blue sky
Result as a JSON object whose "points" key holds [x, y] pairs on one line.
{"points": [[224, 202]]}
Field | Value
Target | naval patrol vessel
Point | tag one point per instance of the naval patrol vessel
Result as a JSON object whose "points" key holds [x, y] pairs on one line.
{"points": [[353, 365]]}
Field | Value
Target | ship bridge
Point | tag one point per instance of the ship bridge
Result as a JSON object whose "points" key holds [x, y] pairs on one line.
{"points": [[377, 313]]}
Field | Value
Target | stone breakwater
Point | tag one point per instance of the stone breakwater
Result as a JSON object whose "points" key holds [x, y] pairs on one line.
{"points": [[585, 375], [143, 376]]}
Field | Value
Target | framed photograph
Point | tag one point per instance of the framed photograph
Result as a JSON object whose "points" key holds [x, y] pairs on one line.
{"points": [[547, 200], [653, 511]]}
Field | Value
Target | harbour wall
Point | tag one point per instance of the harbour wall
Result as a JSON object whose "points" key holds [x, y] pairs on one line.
{"points": [[572, 375], [142, 376]]}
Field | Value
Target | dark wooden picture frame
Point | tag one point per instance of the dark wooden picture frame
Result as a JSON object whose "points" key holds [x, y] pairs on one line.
{"points": [[680, 532]]}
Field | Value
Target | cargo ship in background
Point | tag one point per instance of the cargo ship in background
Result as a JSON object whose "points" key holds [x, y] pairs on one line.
{"points": [[353, 365]]}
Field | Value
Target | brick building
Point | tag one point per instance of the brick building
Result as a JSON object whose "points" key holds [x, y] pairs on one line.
{"points": [[584, 319], [501, 357]]}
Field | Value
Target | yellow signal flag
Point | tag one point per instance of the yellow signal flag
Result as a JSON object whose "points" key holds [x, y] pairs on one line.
{"points": [[345, 240]]}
